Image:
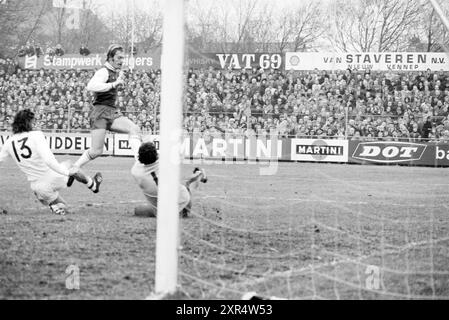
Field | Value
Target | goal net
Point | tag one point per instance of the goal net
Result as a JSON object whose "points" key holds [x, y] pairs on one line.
{"points": [[310, 229]]}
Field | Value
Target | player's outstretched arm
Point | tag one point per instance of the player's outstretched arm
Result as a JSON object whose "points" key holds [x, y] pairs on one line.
{"points": [[98, 83], [47, 156], [79, 175]]}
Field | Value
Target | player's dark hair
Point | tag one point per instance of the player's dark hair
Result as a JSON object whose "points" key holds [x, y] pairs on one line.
{"points": [[23, 121], [112, 51], [148, 153]]}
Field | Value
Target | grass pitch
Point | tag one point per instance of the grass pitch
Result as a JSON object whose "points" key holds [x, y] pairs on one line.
{"points": [[311, 231]]}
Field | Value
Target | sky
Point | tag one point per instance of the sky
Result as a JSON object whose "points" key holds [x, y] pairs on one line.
{"points": [[107, 7], [110, 6]]}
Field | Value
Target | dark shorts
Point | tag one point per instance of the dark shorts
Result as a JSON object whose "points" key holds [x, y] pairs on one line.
{"points": [[102, 117]]}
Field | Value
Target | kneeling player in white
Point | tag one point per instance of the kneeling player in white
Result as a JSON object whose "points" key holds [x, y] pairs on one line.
{"points": [[145, 172], [32, 154]]}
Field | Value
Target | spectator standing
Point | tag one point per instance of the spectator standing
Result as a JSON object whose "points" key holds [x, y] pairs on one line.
{"points": [[427, 128], [84, 50], [22, 52], [30, 50], [38, 50], [59, 51], [50, 51]]}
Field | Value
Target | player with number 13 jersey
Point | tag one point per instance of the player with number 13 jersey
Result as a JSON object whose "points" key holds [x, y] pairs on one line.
{"points": [[46, 175]]}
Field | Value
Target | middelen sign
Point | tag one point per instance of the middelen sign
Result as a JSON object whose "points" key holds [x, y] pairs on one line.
{"points": [[391, 152]]}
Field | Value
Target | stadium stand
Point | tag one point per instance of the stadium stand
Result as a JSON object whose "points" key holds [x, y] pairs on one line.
{"points": [[411, 106]]}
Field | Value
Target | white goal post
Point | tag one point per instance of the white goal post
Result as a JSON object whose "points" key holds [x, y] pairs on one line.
{"points": [[167, 240]]}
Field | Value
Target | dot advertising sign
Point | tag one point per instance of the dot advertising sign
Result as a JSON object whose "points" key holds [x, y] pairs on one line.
{"points": [[392, 152], [389, 152]]}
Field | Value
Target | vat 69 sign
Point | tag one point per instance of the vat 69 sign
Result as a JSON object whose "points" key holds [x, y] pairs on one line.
{"points": [[247, 61]]}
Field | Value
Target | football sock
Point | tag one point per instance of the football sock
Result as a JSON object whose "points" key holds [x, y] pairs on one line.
{"points": [[93, 186], [83, 160], [90, 182]]}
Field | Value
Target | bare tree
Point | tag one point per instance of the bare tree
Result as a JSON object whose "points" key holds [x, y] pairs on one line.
{"points": [[202, 27], [89, 30], [224, 26], [60, 15], [244, 11], [433, 30], [224, 32], [255, 25], [148, 27], [122, 28], [297, 28], [307, 25], [260, 32], [397, 18], [18, 20], [372, 25], [93, 32], [339, 26], [283, 30]]}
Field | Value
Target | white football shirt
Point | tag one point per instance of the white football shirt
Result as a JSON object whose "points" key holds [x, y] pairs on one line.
{"points": [[32, 154], [146, 177]]}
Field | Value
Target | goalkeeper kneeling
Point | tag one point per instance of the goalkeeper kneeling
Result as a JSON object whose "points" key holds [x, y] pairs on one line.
{"points": [[145, 172]]}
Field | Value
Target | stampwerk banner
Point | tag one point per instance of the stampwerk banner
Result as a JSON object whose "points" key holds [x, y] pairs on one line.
{"points": [[381, 61], [94, 61]]}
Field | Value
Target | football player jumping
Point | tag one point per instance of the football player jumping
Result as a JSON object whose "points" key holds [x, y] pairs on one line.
{"points": [[104, 114]]}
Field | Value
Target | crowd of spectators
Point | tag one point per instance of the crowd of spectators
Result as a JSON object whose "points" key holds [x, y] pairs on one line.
{"points": [[8, 66], [410, 106], [34, 49], [30, 50], [61, 101]]}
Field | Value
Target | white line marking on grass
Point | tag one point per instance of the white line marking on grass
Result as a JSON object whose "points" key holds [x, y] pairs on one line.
{"points": [[374, 202], [86, 204], [274, 198]]}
